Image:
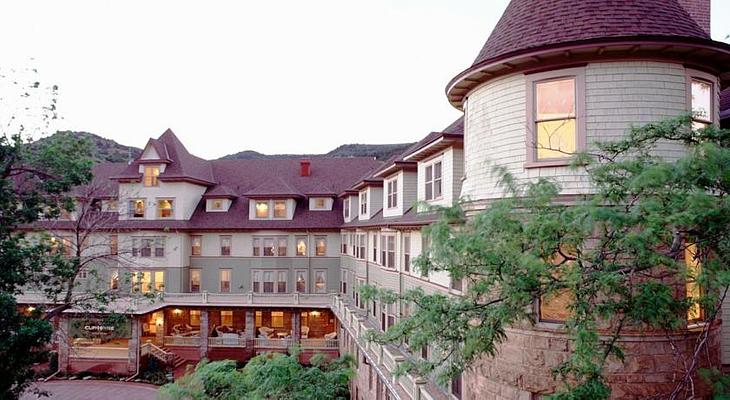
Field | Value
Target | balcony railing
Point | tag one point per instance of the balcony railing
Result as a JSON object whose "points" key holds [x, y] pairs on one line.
{"points": [[182, 341], [227, 341], [319, 343], [273, 343]]}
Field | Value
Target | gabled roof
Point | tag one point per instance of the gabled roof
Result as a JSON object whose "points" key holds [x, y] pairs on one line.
{"points": [[181, 165], [540, 34], [220, 191], [437, 141]]}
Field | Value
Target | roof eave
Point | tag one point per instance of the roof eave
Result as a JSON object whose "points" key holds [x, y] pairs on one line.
{"points": [[441, 143], [685, 50]]}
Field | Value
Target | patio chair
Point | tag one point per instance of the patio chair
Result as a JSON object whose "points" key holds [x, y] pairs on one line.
{"points": [[331, 335]]}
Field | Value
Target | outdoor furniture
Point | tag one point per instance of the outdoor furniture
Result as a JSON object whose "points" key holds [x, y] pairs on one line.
{"points": [[266, 331], [305, 332], [331, 335]]}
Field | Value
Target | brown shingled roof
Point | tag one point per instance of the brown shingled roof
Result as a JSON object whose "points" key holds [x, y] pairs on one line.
{"points": [[528, 24]]}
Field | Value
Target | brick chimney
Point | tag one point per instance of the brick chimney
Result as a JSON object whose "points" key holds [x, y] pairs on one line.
{"points": [[304, 165], [699, 10]]}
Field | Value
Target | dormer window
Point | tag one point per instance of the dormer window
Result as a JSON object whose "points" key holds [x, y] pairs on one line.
{"points": [[434, 187], [165, 208], [262, 209], [320, 203], [364, 203], [392, 193], [280, 209], [150, 175], [346, 207], [136, 208], [216, 204]]}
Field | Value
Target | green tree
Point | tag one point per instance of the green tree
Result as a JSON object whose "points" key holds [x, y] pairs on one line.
{"points": [[271, 376], [618, 255], [33, 185]]}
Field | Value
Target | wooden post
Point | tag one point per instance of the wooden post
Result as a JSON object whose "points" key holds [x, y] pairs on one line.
{"points": [[204, 333]]}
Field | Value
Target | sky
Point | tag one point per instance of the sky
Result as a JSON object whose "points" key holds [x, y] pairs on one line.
{"points": [[278, 76]]}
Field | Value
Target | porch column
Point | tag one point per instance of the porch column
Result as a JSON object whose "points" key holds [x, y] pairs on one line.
{"points": [[296, 323], [204, 333], [160, 329], [133, 347], [63, 344], [250, 324]]}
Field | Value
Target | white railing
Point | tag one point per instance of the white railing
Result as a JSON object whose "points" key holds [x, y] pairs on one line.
{"points": [[182, 341], [320, 344], [227, 341], [288, 299], [273, 343], [160, 354], [99, 352]]}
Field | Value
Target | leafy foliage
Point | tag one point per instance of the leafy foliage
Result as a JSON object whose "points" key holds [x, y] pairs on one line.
{"points": [[271, 376], [618, 254]]}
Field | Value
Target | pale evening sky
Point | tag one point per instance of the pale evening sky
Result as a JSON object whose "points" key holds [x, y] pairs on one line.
{"points": [[286, 76]]}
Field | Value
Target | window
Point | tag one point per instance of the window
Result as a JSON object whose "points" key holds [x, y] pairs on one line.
{"points": [[281, 282], [281, 248], [257, 247], [159, 280], [196, 243], [148, 247], [702, 94], [360, 246], [269, 250], [692, 286], [301, 281], [457, 284], [225, 245], [433, 181], [320, 281], [262, 209], [150, 175], [363, 203], [142, 282], [165, 208], [225, 280], [114, 279], [280, 209], [277, 319], [320, 246], [113, 244], [424, 352], [301, 246], [258, 319], [375, 247], [256, 280], [136, 208], [556, 115], [195, 280], [343, 283], [320, 203], [392, 193], [268, 281], [387, 257], [407, 252], [556, 307], [216, 204], [226, 317], [346, 207], [344, 243], [390, 310], [195, 317]]}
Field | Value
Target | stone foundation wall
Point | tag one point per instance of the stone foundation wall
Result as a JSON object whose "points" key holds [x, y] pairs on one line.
{"points": [[652, 365]]}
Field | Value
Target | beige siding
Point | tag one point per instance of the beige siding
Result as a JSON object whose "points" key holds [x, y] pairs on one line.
{"points": [[618, 95]]}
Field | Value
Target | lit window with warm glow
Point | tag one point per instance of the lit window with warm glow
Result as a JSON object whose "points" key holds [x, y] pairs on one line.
{"points": [[301, 284], [227, 318], [150, 175], [217, 204], [556, 306], [195, 317], [280, 209], [194, 280], [320, 282], [692, 286], [136, 208], [262, 209], [701, 103], [320, 246], [555, 118], [165, 208], [301, 246], [320, 203], [225, 280], [277, 319]]}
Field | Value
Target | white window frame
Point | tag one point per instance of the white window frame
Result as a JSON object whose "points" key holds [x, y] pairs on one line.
{"points": [[391, 190], [433, 180], [230, 245], [297, 274], [132, 209], [317, 240], [364, 202], [222, 272], [158, 210], [324, 286], [200, 279]]}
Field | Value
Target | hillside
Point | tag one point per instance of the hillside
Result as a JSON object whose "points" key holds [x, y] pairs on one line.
{"points": [[379, 151], [107, 150], [104, 150]]}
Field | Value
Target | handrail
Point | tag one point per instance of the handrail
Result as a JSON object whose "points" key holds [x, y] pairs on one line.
{"points": [[157, 352]]}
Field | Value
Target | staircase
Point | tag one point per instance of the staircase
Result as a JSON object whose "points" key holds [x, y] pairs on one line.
{"points": [[163, 354]]}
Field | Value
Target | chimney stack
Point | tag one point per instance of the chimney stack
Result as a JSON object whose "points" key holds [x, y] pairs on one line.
{"points": [[304, 167], [699, 10]]}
